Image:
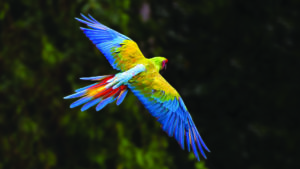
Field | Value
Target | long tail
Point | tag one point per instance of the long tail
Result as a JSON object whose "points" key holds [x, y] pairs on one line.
{"points": [[101, 93]]}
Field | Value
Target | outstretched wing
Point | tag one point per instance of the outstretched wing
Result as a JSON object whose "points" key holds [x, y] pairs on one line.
{"points": [[164, 103], [120, 51]]}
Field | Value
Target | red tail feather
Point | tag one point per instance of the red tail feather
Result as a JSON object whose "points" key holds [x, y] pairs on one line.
{"points": [[99, 90]]}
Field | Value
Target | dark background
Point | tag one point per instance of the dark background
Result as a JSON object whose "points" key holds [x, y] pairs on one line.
{"points": [[235, 63]]}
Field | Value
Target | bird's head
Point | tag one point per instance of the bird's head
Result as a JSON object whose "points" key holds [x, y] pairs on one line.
{"points": [[160, 62]]}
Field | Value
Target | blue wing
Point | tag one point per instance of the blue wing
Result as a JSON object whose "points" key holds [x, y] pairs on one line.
{"points": [[112, 44], [169, 109]]}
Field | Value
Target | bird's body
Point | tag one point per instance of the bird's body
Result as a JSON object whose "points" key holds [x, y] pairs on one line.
{"points": [[141, 75]]}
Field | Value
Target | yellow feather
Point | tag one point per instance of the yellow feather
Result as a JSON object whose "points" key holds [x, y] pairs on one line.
{"points": [[93, 92], [128, 55]]}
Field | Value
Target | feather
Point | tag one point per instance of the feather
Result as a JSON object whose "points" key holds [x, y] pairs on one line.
{"points": [[202, 143], [94, 78], [88, 19], [121, 96], [181, 134], [80, 101], [103, 103], [172, 125], [192, 140], [90, 104], [196, 137], [166, 122], [75, 95], [95, 21], [188, 140]]}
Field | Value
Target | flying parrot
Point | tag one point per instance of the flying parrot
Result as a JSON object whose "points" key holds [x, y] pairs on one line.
{"points": [[140, 75]]}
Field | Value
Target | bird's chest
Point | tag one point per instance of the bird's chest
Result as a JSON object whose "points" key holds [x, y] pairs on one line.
{"points": [[146, 77]]}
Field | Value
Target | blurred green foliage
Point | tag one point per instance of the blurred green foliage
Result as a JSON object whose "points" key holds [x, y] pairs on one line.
{"points": [[235, 63]]}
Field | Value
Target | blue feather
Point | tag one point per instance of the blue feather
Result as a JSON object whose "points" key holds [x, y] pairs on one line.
{"points": [[92, 20], [96, 34], [94, 77], [202, 143], [95, 21], [166, 104], [180, 113], [176, 129], [181, 134], [172, 125], [80, 101], [121, 97], [98, 37], [182, 104], [82, 21], [183, 113], [75, 95], [169, 104], [193, 145], [198, 143], [157, 110], [166, 122], [90, 104], [175, 104], [145, 100], [95, 26], [169, 125], [155, 106], [188, 140], [103, 103], [164, 118]]}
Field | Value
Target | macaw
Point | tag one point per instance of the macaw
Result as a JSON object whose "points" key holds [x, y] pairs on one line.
{"points": [[142, 77]]}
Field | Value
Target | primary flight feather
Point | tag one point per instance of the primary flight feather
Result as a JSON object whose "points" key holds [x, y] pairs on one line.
{"points": [[142, 77]]}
